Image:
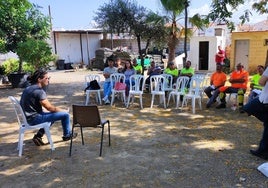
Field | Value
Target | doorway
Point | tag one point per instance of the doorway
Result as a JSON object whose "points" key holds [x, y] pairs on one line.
{"points": [[203, 55], [241, 52]]}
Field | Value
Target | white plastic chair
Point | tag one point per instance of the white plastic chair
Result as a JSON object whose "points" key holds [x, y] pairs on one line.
{"points": [[204, 83], [168, 82], [117, 77], [157, 88], [194, 93], [97, 92], [179, 90], [24, 126], [136, 88]]}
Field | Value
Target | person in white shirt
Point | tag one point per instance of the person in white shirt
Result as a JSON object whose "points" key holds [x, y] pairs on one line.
{"points": [[258, 107]]}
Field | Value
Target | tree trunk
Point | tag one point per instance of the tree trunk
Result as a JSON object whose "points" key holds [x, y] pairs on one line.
{"points": [[140, 52], [20, 66], [172, 47]]}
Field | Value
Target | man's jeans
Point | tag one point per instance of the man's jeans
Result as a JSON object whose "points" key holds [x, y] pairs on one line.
{"points": [[107, 90], [52, 117], [260, 111]]}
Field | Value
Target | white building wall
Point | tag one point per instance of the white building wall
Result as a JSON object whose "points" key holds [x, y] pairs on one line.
{"points": [[216, 35], [68, 46], [90, 43], [213, 48]]}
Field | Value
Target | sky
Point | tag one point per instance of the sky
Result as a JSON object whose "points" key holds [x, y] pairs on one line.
{"points": [[79, 14]]}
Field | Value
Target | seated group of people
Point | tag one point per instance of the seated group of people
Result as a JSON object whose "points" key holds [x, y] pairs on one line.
{"points": [[239, 79], [131, 67], [171, 69]]}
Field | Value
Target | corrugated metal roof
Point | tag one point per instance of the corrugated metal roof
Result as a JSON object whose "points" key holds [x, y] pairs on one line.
{"points": [[80, 31]]}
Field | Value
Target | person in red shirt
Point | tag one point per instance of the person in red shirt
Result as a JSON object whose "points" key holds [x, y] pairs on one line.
{"points": [[220, 56], [217, 79], [239, 81]]}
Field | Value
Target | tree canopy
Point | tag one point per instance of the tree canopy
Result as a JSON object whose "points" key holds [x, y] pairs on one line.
{"points": [[222, 11], [19, 21], [125, 16]]}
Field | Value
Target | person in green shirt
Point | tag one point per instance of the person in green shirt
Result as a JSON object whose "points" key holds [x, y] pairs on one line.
{"points": [[187, 71], [172, 70], [137, 67], [255, 87]]}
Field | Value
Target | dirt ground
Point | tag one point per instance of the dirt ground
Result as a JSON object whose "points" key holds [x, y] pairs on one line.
{"points": [[149, 148]]}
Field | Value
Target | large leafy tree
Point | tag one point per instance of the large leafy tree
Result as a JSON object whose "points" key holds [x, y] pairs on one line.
{"points": [[222, 11], [125, 16], [19, 21], [156, 30], [111, 17]]}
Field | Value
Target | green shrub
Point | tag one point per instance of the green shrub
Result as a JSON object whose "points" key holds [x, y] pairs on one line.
{"points": [[36, 53], [12, 65]]}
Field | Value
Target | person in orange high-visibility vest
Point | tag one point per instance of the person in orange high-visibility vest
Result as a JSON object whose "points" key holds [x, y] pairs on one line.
{"points": [[239, 81], [217, 80]]}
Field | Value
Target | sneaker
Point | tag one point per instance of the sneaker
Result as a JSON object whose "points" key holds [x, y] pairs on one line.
{"points": [[241, 110], [263, 155], [222, 105], [209, 103], [66, 138], [105, 98], [38, 141], [107, 101]]}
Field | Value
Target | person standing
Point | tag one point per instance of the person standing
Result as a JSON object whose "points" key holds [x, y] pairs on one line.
{"points": [[107, 90], [217, 80], [258, 107], [34, 99], [220, 56]]}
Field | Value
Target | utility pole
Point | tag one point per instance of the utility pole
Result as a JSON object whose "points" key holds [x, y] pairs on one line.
{"points": [[186, 4], [52, 37]]}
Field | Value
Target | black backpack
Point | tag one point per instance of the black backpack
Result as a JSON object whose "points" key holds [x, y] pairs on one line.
{"points": [[93, 85]]}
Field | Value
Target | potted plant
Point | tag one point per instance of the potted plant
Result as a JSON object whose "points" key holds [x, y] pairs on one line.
{"points": [[10, 67]]}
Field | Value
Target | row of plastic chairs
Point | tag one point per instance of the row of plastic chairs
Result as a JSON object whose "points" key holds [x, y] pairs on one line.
{"points": [[160, 85]]}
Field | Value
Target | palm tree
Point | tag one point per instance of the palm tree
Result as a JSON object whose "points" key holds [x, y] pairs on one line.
{"points": [[174, 8]]}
